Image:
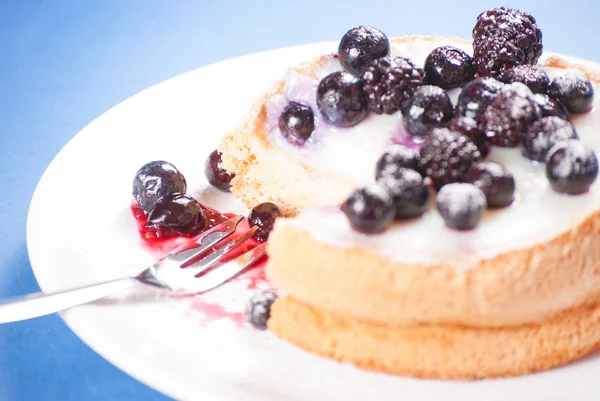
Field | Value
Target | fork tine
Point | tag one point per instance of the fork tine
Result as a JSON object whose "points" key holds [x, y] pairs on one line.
{"points": [[204, 241], [229, 270], [199, 263]]}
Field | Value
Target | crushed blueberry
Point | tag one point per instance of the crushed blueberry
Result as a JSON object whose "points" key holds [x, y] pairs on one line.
{"points": [[370, 209], [429, 107], [496, 182], [461, 205], [449, 67], [571, 167], [154, 181], [263, 215], [258, 309], [341, 99], [545, 133], [216, 175], [176, 214], [360, 45]]}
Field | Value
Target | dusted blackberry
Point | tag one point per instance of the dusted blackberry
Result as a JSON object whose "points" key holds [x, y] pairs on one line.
{"points": [[461, 205], [395, 158], [446, 156], [496, 182], [389, 81], [297, 123], [429, 107], [573, 90], [549, 106], [448, 67], [360, 45], [509, 116], [409, 193], [258, 310], [534, 77], [370, 209], [571, 168], [469, 127], [544, 134], [504, 38], [476, 96], [341, 99]]}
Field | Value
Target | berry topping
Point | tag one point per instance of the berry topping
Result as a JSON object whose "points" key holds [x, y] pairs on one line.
{"points": [[504, 38], [341, 100], [573, 90], [544, 134], [429, 107], [469, 127], [446, 156], [263, 215], [534, 77], [296, 123], [461, 205], [571, 167], [509, 115], [156, 180], [370, 209], [396, 158], [389, 81], [496, 182], [409, 193], [258, 310], [476, 96], [360, 45], [549, 106], [176, 214], [449, 67], [217, 176]]}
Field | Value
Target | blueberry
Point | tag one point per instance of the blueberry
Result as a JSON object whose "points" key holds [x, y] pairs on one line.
{"points": [[370, 209], [409, 193], [429, 107], [156, 180], [448, 67], [571, 167], [263, 215], [297, 123], [177, 214], [476, 95], [258, 310], [496, 182], [461, 205], [534, 77], [360, 45], [550, 107], [217, 176], [545, 133], [341, 99], [573, 90], [395, 158]]}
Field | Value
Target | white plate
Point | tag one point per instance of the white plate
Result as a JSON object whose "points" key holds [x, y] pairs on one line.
{"points": [[80, 230]]}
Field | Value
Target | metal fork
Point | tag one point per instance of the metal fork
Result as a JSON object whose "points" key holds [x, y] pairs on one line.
{"points": [[196, 267]]}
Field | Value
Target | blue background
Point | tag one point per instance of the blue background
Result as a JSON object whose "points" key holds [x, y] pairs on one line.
{"points": [[64, 62]]}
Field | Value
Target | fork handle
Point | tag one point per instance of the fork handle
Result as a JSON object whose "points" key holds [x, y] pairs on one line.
{"points": [[39, 304]]}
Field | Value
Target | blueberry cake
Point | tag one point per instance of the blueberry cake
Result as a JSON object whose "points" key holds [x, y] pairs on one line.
{"points": [[446, 209]]}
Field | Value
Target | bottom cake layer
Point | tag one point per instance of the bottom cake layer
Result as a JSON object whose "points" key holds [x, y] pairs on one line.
{"points": [[439, 352]]}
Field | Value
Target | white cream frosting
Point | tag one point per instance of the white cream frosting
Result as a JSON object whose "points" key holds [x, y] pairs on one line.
{"points": [[539, 214]]}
